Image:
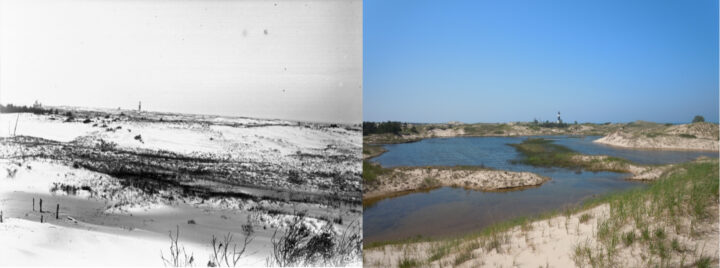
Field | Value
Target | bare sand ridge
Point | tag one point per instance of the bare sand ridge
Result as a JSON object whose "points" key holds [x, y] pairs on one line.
{"points": [[411, 179], [696, 136]]}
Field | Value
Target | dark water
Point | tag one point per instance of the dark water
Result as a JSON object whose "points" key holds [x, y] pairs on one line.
{"points": [[447, 211]]}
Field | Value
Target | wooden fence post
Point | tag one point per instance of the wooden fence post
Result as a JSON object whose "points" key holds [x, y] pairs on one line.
{"points": [[1, 216], [57, 212], [40, 205], [33, 203]]}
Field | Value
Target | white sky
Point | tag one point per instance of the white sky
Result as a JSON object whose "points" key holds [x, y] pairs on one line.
{"points": [[190, 56]]}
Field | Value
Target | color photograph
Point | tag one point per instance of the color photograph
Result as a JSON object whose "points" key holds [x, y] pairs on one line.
{"points": [[540, 133]]}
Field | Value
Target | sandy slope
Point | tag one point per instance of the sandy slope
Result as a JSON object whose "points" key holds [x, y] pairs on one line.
{"points": [[106, 209], [31, 243], [546, 243], [703, 137]]}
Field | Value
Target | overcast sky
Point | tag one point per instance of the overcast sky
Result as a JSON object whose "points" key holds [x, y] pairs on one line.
{"points": [[299, 60]]}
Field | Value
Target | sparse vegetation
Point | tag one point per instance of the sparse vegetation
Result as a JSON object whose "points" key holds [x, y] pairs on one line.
{"points": [[679, 195], [106, 145], [687, 136], [373, 150], [297, 246], [178, 257], [408, 263], [429, 183], [585, 218], [223, 255]]}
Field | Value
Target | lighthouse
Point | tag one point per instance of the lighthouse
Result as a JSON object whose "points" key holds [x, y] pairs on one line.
{"points": [[559, 121]]}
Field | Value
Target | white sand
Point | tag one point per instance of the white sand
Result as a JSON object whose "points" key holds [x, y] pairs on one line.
{"points": [[119, 225], [545, 243]]}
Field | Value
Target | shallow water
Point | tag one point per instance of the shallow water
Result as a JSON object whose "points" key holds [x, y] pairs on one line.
{"points": [[449, 211]]}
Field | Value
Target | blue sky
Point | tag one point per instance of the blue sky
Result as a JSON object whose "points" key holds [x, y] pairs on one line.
{"points": [[497, 61]]}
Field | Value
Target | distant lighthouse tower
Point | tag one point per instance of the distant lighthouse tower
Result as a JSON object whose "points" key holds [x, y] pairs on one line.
{"points": [[140, 107], [559, 121]]}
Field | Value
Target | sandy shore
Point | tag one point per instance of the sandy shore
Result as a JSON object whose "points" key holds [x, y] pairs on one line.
{"points": [[544, 243], [411, 179]]}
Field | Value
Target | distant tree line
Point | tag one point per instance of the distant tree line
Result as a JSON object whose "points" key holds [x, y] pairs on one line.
{"points": [[549, 124], [382, 127], [10, 108], [698, 119]]}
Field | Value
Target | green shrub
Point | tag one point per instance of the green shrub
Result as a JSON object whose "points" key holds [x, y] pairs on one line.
{"points": [[429, 183], [371, 172], [628, 238], [698, 118], [585, 217]]}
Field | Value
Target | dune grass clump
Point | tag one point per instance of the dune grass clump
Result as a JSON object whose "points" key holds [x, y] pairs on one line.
{"points": [[682, 195], [298, 246], [371, 172], [408, 263], [585, 218]]}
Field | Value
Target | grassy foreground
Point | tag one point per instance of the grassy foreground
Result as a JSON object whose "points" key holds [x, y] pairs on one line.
{"points": [[667, 224]]}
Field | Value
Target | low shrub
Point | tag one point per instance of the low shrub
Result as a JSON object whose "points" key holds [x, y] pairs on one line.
{"points": [[687, 136]]}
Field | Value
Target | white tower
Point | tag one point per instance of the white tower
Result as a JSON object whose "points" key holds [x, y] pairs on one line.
{"points": [[559, 120]]}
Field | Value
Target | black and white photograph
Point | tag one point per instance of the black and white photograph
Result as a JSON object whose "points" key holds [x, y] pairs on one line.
{"points": [[181, 133]]}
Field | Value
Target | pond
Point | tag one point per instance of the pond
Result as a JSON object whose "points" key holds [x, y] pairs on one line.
{"points": [[449, 211]]}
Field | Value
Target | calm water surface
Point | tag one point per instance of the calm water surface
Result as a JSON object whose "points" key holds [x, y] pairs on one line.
{"points": [[448, 211]]}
